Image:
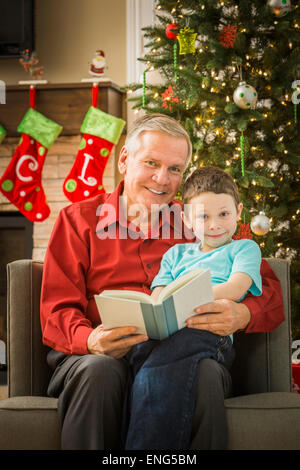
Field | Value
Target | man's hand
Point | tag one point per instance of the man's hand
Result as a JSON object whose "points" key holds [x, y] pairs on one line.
{"points": [[222, 317], [112, 342]]}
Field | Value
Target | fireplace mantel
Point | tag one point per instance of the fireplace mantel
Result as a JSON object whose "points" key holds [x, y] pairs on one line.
{"points": [[65, 103]]}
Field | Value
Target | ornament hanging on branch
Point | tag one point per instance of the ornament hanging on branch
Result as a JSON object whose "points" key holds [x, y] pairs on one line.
{"points": [[144, 90], [280, 7], [245, 96], [172, 34], [228, 36], [171, 31], [242, 146], [186, 39], [295, 99], [168, 98], [260, 224]]}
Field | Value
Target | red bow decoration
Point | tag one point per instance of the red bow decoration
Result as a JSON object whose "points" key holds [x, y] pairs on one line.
{"points": [[228, 36], [243, 232], [168, 97]]}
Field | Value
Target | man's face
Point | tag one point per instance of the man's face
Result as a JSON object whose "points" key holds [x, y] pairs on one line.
{"points": [[153, 175]]}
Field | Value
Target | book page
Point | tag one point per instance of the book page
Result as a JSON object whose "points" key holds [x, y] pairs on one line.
{"points": [[127, 294], [197, 292], [178, 283], [115, 313]]}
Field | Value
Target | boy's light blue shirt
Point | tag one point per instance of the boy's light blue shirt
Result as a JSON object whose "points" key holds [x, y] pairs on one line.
{"points": [[238, 256]]}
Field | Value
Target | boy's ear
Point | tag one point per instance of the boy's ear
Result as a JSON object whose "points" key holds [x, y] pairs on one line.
{"points": [[122, 163], [186, 220]]}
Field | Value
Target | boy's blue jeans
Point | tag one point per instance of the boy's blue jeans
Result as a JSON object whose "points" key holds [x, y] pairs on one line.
{"points": [[162, 393]]}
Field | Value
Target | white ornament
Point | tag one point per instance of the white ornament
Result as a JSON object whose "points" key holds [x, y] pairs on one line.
{"points": [[280, 7], [260, 224], [245, 96]]}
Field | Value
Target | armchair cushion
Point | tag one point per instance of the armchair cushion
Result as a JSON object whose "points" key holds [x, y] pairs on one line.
{"points": [[264, 421], [29, 423]]}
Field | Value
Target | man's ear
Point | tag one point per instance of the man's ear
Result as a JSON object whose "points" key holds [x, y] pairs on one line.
{"points": [[122, 163]]}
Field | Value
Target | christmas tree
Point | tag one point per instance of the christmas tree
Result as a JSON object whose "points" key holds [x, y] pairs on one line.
{"points": [[228, 71]]}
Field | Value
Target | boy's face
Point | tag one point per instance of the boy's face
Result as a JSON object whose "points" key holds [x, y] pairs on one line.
{"points": [[213, 218]]}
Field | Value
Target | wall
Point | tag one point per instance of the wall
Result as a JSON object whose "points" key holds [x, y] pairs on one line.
{"points": [[68, 32]]}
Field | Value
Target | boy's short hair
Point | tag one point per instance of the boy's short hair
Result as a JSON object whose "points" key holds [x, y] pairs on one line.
{"points": [[156, 122], [209, 179]]}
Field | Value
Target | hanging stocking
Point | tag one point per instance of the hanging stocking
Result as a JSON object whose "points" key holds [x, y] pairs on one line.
{"points": [[2, 133], [21, 182], [101, 132]]}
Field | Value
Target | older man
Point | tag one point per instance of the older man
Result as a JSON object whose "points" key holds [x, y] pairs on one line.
{"points": [[101, 244]]}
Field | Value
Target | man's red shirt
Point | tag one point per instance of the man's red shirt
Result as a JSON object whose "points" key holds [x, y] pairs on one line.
{"points": [[92, 248]]}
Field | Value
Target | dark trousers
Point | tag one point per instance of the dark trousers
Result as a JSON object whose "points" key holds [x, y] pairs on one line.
{"points": [[91, 392], [162, 395]]}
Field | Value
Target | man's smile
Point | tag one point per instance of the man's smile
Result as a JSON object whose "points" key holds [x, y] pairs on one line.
{"points": [[155, 191]]}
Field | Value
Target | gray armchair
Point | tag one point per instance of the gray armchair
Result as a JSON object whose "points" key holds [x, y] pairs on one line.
{"points": [[263, 414]]}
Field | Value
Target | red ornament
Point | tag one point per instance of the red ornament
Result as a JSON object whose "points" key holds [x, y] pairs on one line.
{"points": [[168, 97], [170, 33], [228, 36], [243, 232]]}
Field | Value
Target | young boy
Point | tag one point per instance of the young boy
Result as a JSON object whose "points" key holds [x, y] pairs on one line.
{"points": [[161, 408], [212, 209]]}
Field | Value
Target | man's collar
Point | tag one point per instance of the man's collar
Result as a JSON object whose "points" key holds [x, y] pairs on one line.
{"points": [[110, 212]]}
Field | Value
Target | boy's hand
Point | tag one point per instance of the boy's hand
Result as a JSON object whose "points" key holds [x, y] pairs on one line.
{"points": [[222, 317]]}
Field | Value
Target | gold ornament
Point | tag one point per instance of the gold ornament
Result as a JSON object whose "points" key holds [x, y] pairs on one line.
{"points": [[260, 224], [186, 39]]}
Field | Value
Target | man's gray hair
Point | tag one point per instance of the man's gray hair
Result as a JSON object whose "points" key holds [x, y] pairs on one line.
{"points": [[156, 122]]}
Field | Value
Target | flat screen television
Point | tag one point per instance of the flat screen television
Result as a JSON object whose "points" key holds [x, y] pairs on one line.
{"points": [[16, 27]]}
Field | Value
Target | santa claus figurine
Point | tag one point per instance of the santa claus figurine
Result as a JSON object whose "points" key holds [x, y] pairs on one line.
{"points": [[98, 64]]}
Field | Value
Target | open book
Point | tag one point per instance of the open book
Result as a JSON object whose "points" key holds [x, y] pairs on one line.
{"points": [[158, 318]]}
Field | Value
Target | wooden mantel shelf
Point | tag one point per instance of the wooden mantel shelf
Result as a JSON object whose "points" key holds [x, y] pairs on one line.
{"points": [[65, 103]]}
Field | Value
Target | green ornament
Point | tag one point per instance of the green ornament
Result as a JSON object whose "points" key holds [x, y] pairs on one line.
{"points": [[70, 185], [41, 151], [104, 152], [7, 185], [28, 206]]}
